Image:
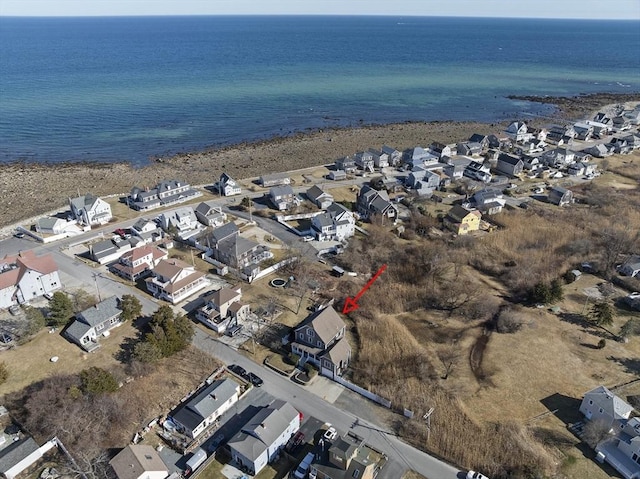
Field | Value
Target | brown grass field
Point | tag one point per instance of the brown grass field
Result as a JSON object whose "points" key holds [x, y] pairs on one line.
{"points": [[507, 417]]}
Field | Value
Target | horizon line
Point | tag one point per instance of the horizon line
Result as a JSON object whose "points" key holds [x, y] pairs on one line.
{"points": [[315, 15]]}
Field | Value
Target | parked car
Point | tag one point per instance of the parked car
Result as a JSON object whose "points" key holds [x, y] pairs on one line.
{"points": [[48, 296], [303, 467], [19, 234], [216, 442], [238, 370], [475, 475], [330, 434], [14, 309], [255, 380]]}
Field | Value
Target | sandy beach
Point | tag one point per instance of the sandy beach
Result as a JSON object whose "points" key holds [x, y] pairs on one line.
{"points": [[29, 189]]}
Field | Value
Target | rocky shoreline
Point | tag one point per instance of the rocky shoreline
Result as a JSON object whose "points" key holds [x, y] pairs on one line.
{"points": [[29, 189]]}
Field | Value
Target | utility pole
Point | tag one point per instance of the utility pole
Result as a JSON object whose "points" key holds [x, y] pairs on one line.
{"points": [[95, 279], [427, 418]]}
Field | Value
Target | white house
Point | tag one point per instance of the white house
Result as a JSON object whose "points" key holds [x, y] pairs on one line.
{"points": [[336, 224], [319, 197], [174, 281], [182, 219], [227, 186], [90, 210], [93, 322], [260, 439], [138, 461], [210, 215], [222, 307], [138, 262], [56, 226], [25, 276], [203, 408]]}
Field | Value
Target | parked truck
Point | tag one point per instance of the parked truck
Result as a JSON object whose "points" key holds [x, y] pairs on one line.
{"points": [[196, 460]]}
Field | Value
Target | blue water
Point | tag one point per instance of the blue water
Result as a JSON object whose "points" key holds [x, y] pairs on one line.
{"points": [[125, 89]]}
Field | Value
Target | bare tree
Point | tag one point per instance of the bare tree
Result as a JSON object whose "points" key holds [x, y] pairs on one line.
{"points": [[449, 357], [595, 431]]}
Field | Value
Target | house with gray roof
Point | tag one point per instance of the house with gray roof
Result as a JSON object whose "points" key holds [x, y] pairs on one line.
{"points": [[380, 158], [165, 193], [139, 461], [227, 186], [203, 408], [559, 196], [509, 165], [231, 249], [221, 308], [601, 404], [18, 456], [488, 201], [283, 197], [319, 197], [147, 230], [364, 161], [423, 181], [335, 224], [93, 322], [90, 210], [346, 164], [209, 214], [274, 179], [109, 250], [173, 280], [371, 202], [347, 457], [631, 267], [260, 440], [394, 156], [320, 340]]}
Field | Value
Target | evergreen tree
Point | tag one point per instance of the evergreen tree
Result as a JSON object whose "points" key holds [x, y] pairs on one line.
{"points": [[541, 293], [35, 320], [60, 309], [602, 314], [556, 290], [131, 308], [97, 381]]}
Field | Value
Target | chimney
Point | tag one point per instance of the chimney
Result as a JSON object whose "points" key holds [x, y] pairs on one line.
{"points": [[263, 426]]}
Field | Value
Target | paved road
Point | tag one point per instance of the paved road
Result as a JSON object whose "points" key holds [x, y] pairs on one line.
{"points": [[402, 456]]}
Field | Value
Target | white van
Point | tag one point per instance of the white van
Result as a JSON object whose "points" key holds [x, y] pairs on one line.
{"points": [[303, 467]]}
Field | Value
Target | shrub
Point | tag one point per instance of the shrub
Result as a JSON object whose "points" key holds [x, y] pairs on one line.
{"points": [[97, 381], [293, 358], [509, 321], [4, 373], [602, 343], [35, 319], [131, 308], [311, 370]]}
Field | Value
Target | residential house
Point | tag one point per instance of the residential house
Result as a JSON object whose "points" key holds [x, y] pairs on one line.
{"points": [[138, 262], [394, 156], [558, 157], [440, 150], [371, 202], [469, 148], [231, 249], [621, 146], [320, 340], [600, 150], [336, 224], [454, 168], [319, 197], [260, 440], [25, 276], [488, 201], [559, 196], [139, 461], [418, 156], [581, 168], [210, 215], [584, 131], [425, 182], [518, 131], [600, 130], [509, 165], [227, 186], [380, 158], [482, 140], [174, 280], [539, 134], [620, 123], [603, 118], [346, 164], [621, 448], [274, 179], [561, 135], [147, 230], [90, 210], [364, 161], [97, 320], [347, 457], [221, 308], [109, 250], [203, 408], [283, 197], [18, 456], [631, 267], [531, 163], [180, 221], [462, 221], [477, 171], [337, 175], [533, 145], [165, 193], [56, 226], [633, 116]]}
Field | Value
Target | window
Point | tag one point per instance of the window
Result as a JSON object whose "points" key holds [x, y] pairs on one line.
{"points": [[601, 410], [590, 402], [356, 473]]}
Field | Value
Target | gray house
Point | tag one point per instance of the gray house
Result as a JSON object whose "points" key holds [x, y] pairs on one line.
{"points": [[274, 179], [509, 165], [394, 156], [319, 197], [283, 197], [93, 322], [346, 164], [372, 202], [209, 214], [631, 267], [203, 408], [559, 196]]}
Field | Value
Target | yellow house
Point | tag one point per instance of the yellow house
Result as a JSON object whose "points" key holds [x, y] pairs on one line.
{"points": [[462, 221]]}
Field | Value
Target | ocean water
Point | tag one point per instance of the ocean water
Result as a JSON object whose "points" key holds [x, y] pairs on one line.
{"points": [[126, 89]]}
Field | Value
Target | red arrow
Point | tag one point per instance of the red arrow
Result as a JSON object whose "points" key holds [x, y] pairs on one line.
{"points": [[351, 304]]}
